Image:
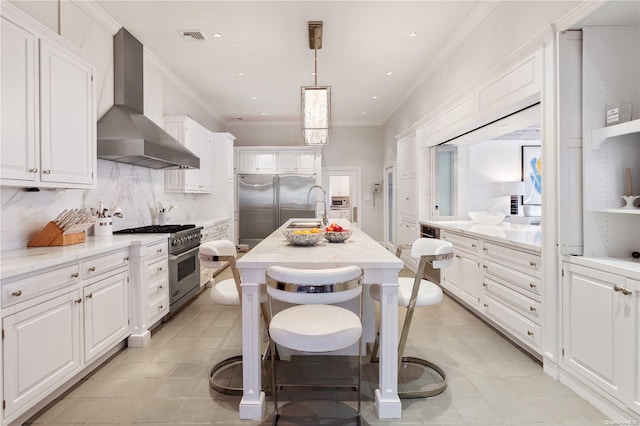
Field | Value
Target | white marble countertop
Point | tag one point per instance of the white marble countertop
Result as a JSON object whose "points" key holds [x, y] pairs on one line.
{"points": [[20, 261], [360, 249], [528, 237]]}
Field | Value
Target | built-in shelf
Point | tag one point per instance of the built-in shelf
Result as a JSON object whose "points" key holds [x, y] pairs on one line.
{"points": [[600, 135], [622, 211]]}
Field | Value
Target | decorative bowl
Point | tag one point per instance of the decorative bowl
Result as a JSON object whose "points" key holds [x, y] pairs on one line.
{"points": [[303, 237], [487, 218], [338, 237]]}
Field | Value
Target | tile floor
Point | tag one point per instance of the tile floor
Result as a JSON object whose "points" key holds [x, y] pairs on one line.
{"points": [[491, 382]]}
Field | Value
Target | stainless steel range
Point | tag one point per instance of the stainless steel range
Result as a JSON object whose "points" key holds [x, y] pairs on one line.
{"points": [[184, 263]]}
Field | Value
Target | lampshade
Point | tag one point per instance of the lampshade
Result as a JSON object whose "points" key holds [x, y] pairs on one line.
{"points": [[513, 188], [316, 100], [316, 105]]}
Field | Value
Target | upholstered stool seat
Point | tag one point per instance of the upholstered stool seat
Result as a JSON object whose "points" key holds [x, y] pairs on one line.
{"points": [[313, 324], [418, 292], [226, 292]]}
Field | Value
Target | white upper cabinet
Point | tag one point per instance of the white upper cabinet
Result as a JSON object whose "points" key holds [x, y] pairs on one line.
{"points": [[407, 157], [48, 84], [258, 161], [299, 161], [198, 140]]}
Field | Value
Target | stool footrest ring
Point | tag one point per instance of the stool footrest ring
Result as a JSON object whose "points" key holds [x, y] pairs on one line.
{"points": [[424, 393]]}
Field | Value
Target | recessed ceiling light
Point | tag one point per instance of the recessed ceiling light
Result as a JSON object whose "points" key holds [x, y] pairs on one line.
{"points": [[374, 97], [364, 113], [254, 98], [240, 74], [263, 113], [389, 72], [217, 35], [411, 34]]}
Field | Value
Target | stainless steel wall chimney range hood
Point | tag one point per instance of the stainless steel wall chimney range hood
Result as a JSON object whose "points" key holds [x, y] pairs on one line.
{"points": [[125, 135]]}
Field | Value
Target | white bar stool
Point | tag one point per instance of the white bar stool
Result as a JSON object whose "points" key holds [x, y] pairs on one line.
{"points": [[226, 292], [414, 292], [314, 324]]}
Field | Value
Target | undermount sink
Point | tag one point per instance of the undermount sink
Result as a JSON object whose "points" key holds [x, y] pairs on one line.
{"points": [[310, 223]]}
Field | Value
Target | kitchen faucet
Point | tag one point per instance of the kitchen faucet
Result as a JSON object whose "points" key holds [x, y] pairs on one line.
{"points": [[325, 219]]}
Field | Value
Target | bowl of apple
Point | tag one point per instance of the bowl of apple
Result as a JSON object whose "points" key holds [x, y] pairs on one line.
{"points": [[335, 233]]}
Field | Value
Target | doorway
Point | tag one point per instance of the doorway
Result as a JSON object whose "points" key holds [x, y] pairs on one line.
{"points": [[389, 207], [342, 185]]}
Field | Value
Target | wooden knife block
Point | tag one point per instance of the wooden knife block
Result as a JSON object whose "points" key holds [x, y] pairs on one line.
{"points": [[51, 235]]}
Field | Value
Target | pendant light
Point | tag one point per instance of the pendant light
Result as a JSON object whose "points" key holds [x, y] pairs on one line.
{"points": [[316, 100]]}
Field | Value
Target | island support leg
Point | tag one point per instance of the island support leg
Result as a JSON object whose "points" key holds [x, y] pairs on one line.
{"points": [[252, 404], [387, 404]]}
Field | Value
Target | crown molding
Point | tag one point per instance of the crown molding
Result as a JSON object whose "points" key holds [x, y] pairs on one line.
{"points": [[99, 15], [579, 13], [238, 124]]}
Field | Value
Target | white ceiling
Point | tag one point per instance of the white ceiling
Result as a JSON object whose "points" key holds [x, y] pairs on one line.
{"points": [[267, 41]]}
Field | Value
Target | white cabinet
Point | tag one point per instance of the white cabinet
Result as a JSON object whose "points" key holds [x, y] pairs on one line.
{"points": [[49, 85], [407, 184], [106, 313], [407, 154], [217, 231], [407, 234], [340, 186], [257, 161], [223, 183], [408, 202], [601, 326], [512, 296], [463, 276], [198, 140], [296, 161], [41, 349]]}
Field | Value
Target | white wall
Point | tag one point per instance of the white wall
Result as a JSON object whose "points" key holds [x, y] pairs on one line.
{"points": [[357, 146], [135, 189]]}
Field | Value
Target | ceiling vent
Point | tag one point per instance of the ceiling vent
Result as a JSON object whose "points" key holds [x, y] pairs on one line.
{"points": [[193, 35]]}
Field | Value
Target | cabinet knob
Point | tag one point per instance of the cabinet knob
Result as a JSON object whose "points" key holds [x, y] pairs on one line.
{"points": [[532, 263], [529, 333], [473, 246], [46, 172], [617, 288], [485, 266], [160, 307], [160, 286], [159, 251], [626, 292], [126, 259], [92, 269], [486, 306], [160, 269], [78, 300], [532, 308], [17, 293], [484, 284], [484, 249], [34, 170], [75, 275], [89, 296], [532, 285]]}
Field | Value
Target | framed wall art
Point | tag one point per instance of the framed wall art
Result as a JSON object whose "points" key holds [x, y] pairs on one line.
{"points": [[532, 175]]}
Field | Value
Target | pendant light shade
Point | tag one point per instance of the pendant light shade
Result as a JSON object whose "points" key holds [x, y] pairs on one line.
{"points": [[316, 100]]}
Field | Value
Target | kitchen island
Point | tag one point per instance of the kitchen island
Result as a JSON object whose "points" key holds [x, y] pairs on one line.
{"points": [[380, 267]]}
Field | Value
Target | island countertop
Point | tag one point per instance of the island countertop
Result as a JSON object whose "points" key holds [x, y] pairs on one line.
{"points": [[528, 237], [360, 250]]}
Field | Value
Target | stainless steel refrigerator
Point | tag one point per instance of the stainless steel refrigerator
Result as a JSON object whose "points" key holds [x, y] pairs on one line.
{"points": [[265, 202]]}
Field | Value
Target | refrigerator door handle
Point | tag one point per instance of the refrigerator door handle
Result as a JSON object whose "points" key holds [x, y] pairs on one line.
{"points": [[276, 201]]}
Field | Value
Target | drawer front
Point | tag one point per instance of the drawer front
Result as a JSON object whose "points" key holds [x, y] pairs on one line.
{"points": [[158, 308], [32, 286], [521, 327], [158, 271], [158, 249], [524, 281], [525, 305], [520, 260], [100, 264], [460, 241]]}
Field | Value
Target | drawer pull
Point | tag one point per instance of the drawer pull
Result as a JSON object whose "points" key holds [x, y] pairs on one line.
{"points": [[626, 292], [473, 246], [126, 259], [484, 249], [78, 300], [46, 172], [532, 263], [34, 170], [617, 288], [159, 251], [160, 269], [532, 285], [92, 269], [75, 275], [485, 266], [17, 293], [532, 308], [160, 307], [160, 286], [529, 333], [484, 284], [486, 306], [89, 296]]}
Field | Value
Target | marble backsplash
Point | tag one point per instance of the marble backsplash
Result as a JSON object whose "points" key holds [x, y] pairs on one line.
{"points": [[137, 190]]}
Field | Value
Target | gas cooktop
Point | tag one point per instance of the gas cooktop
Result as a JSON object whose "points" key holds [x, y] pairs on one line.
{"points": [[156, 229]]}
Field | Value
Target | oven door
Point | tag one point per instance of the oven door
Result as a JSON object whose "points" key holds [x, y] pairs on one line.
{"points": [[430, 273], [184, 276]]}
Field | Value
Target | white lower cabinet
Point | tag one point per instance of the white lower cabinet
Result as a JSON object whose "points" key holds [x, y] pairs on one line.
{"points": [[215, 232], [601, 332], [463, 276], [106, 313], [41, 349]]}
